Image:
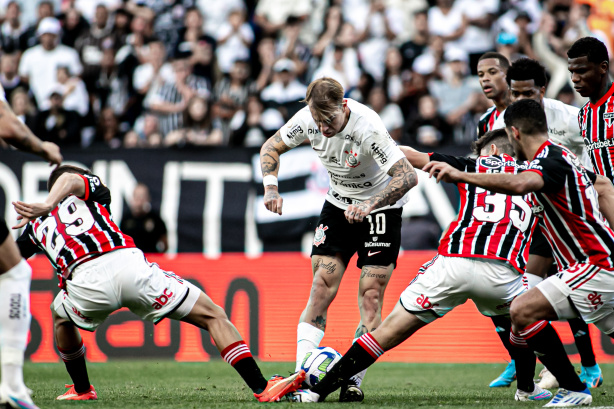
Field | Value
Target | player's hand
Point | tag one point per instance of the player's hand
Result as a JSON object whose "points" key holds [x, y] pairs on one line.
{"points": [[22, 222], [357, 213], [442, 171], [272, 200], [51, 153], [30, 211]]}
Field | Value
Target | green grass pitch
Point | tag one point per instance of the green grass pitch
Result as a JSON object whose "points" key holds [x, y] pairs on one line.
{"points": [[165, 384]]}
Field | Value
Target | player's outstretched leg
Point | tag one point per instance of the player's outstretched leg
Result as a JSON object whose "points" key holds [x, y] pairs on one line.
{"points": [[529, 312], [503, 326], [15, 276], [207, 315], [371, 288], [590, 373], [72, 351], [397, 327]]}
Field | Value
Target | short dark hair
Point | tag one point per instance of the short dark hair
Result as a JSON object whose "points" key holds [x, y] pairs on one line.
{"points": [[503, 61], [496, 136], [591, 48], [527, 116], [60, 170], [526, 69]]}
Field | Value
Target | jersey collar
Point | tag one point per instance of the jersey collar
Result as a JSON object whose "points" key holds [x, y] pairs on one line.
{"points": [[603, 98], [541, 148]]}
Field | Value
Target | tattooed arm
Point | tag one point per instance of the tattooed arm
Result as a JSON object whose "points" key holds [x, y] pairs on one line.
{"points": [[14, 132], [269, 163], [404, 177]]}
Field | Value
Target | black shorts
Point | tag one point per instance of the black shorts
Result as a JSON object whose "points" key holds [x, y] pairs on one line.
{"points": [[539, 244], [4, 231], [377, 239]]}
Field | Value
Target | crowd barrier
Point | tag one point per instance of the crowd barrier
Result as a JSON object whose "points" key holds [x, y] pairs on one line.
{"points": [[264, 298]]}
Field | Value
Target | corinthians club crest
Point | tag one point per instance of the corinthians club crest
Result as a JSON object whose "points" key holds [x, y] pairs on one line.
{"points": [[320, 236], [351, 160]]}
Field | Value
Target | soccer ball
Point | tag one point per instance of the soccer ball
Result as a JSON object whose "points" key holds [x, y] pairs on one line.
{"points": [[317, 363]]}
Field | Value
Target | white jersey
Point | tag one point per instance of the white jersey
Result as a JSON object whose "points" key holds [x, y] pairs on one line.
{"points": [[357, 159], [563, 128]]}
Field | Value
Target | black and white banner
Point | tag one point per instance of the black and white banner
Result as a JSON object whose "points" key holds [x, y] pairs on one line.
{"points": [[210, 199]]}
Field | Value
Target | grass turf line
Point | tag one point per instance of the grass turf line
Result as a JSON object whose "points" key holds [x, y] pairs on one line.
{"points": [[166, 384]]}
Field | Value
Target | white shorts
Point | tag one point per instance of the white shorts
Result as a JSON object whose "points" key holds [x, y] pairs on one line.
{"points": [[123, 278], [584, 290], [447, 282]]}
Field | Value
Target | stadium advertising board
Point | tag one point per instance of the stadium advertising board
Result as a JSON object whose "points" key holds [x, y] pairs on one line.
{"points": [[264, 297]]}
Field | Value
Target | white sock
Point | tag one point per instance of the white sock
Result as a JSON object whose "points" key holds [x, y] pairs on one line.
{"points": [[532, 280], [308, 337], [360, 375], [14, 323]]}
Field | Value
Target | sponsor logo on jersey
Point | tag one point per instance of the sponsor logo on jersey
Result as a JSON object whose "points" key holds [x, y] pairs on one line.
{"points": [[608, 143], [372, 253], [379, 153], [351, 160], [336, 176], [320, 236], [295, 131], [377, 244], [335, 160], [352, 185], [537, 209], [534, 165], [162, 299], [351, 138], [15, 307], [594, 299], [490, 162], [425, 303], [312, 131], [556, 132], [94, 182], [80, 315]]}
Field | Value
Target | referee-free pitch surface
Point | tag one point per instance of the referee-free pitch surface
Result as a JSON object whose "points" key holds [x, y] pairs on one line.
{"points": [[129, 384]]}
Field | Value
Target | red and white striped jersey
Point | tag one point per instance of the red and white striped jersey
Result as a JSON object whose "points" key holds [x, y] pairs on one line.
{"points": [[569, 208], [489, 225], [597, 126], [76, 230], [487, 120]]}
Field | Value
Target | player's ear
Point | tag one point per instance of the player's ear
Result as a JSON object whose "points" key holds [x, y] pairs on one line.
{"points": [[604, 68], [493, 150], [515, 133], [542, 92]]}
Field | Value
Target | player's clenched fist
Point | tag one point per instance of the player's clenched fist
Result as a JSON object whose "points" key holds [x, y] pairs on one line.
{"points": [[272, 199], [357, 213]]}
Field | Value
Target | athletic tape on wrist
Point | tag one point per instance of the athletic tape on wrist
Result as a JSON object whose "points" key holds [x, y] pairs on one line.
{"points": [[269, 180]]}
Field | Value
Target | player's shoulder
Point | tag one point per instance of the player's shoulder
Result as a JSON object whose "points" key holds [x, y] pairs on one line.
{"points": [[488, 113], [558, 106]]}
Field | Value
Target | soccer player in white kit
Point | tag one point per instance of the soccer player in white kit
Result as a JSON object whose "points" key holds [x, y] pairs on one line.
{"points": [[369, 179], [15, 273]]}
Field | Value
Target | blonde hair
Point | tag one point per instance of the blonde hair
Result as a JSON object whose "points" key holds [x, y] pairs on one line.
{"points": [[325, 96]]}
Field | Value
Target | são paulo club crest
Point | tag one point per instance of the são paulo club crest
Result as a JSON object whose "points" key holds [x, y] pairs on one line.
{"points": [[608, 117], [320, 235], [351, 160]]}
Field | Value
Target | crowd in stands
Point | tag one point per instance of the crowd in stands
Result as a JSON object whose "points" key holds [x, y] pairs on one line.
{"points": [[174, 73]]}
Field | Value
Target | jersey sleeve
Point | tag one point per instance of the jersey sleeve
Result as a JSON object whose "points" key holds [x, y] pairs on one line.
{"points": [[553, 171], [95, 190], [591, 175], [27, 247], [458, 162], [294, 132], [499, 122]]}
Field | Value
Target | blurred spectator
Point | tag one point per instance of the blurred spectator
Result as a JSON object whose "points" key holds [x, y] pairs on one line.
{"points": [[91, 44], [263, 67], [145, 133], [121, 27], [271, 15], [427, 129], [332, 26], [257, 124], [144, 224], [107, 129], [11, 28], [29, 38], [22, 107], [88, 8], [73, 26], [111, 88], [393, 85], [198, 126], [154, 71], [456, 92], [292, 47], [446, 20], [9, 78], [363, 89], [285, 92], [39, 64], [525, 47], [194, 44], [57, 124], [340, 63], [236, 86], [477, 38], [389, 112], [170, 99], [224, 112], [418, 42], [74, 94], [215, 13], [507, 45], [234, 40], [407, 11]]}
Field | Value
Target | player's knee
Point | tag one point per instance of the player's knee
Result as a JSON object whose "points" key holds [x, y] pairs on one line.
{"points": [[321, 291], [520, 314], [370, 300]]}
